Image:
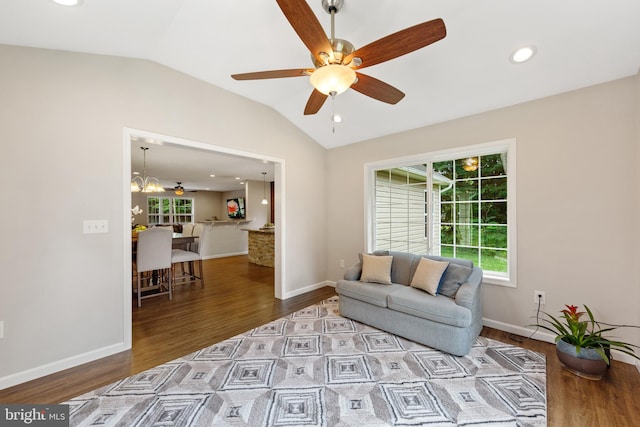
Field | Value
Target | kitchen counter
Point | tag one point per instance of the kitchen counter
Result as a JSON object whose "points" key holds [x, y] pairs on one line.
{"points": [[261, 246]]}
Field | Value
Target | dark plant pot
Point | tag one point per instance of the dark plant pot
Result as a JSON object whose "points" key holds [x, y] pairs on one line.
{"points": [[586, 364]]}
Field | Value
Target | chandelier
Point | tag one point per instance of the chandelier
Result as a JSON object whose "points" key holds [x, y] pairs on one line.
{"points": [[144, 183]]}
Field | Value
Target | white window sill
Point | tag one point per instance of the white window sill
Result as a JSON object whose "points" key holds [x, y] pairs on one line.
{"points": [[500, 281]]}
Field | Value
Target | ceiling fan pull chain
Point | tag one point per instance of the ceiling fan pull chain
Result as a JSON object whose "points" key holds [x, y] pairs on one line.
{"points": [[333, 110]]}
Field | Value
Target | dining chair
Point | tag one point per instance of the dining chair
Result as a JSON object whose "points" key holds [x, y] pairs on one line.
{"points": [[153, 257], [187, 229], [179, 256], [196, 231]]}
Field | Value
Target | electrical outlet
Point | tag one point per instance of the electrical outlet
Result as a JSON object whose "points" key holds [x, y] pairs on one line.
{"points": [[95, 226], [538, 297], [341, 263]]}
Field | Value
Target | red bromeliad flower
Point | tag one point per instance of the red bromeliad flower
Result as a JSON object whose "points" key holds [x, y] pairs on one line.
{"points": [[572, 314]]}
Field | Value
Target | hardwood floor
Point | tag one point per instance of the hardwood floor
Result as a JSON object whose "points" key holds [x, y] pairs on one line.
{"points": [[575, 401], [238, 296]]}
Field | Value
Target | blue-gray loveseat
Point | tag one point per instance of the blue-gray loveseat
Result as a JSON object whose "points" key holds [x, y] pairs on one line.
{"points": [[448, 323]]}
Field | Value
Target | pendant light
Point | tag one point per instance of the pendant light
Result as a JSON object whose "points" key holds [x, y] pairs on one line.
{"points": [[264, 191], [144, 183]]}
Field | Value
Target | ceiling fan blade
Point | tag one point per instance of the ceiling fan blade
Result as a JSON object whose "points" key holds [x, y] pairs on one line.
{"points": [[377, 89], [315, 102], [275, 74], [307, 26], [400, 43]]}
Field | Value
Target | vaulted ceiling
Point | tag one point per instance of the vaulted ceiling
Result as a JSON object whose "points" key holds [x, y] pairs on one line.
{"points": [[579, 43]]}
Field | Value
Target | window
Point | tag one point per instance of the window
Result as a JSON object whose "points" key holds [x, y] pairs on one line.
{"points": [[170, 210], [458, 203]]}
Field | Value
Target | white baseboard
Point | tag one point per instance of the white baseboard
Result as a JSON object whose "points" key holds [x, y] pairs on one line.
{"points": [[59, 365], [548, 337], [287, 295], [225, 255]]}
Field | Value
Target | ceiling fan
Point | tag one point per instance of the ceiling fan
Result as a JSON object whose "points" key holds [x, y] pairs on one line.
{"points": [[179, 190], [335, 60]]}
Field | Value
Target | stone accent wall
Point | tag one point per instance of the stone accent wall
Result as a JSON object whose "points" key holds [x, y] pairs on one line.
{"points": [[261, 248]]}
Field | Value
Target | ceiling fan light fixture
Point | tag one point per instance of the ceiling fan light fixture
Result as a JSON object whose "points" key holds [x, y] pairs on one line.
{"points": [[470, 164], [178, 189], [332, 78]]}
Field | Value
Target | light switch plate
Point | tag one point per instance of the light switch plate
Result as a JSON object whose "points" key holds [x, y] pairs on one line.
{"points": [[1, 328], [94, 226]]}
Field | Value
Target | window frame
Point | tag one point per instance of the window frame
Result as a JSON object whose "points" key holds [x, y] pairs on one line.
{"points": [[172, 213], [508, 145]]}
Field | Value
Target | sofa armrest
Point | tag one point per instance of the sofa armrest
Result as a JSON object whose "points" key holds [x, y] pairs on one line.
{"points": [[354, 272], [469, 292]]}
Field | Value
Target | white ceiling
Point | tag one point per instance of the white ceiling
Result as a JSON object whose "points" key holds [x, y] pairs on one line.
{"points": [[171, 163], [579, 43]]}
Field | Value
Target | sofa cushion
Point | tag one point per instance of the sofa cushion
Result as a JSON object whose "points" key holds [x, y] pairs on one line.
{"points": [[401, 268], [428, 274], [376, 269], [452, 279], [372, 293], [436, 308]]}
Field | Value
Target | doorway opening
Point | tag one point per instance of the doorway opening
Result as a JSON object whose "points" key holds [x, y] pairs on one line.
{"points": [[134, 136]]}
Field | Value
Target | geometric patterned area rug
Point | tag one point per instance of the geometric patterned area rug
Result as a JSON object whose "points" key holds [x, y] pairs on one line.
{"points": [[315, 368]]}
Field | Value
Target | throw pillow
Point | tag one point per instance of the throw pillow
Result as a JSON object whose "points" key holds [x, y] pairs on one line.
{"points": [[452, 279], [428, 275], [376, 269], [375, 253]]}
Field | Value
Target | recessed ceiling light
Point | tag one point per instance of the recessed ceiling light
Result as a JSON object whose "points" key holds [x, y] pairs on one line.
{"points": [[523, 54], [68, 2], [136, 173], [212, 176]]}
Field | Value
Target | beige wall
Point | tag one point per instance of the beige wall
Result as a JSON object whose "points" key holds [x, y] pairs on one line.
{"points": [[637, 211], [61, 127], [577, 196], [256, 211], [207, 204]]}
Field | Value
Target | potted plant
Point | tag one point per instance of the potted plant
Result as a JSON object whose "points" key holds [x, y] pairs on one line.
{"points": [[580, 344]]}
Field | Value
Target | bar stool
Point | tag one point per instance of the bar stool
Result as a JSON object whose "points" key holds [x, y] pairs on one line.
{"points": [[153, 254], [191, 255]]}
